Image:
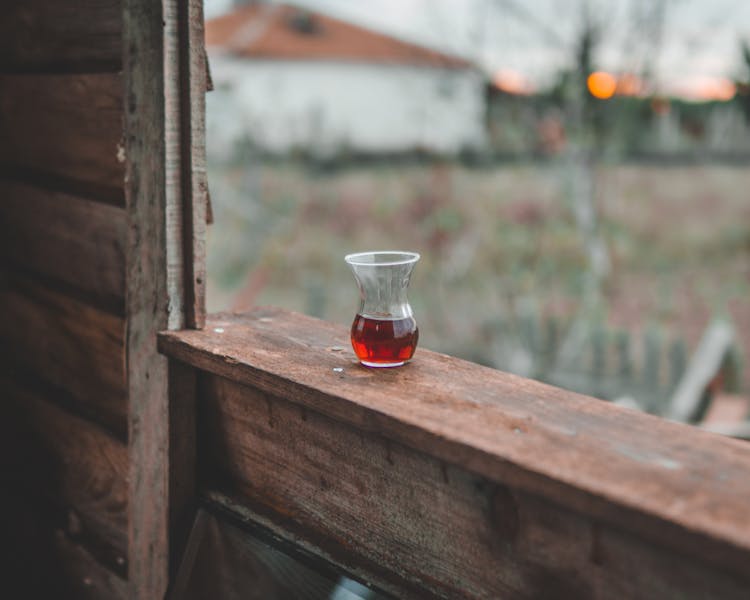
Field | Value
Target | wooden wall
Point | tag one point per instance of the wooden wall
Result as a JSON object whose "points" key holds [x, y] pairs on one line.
{"points": [[63, 226], [83, 290]]}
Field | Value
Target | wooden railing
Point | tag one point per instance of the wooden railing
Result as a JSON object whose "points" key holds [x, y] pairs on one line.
{"points": [[444, 478]]}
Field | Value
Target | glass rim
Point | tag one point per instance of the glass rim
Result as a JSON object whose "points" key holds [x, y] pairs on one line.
{"points": [[408, 258]]}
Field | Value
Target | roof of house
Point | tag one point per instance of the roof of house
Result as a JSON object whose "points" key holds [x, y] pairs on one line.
{"points": [[286, 32]]}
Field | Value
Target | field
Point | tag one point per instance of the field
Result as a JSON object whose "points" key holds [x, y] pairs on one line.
{"points": [[497, 243]]}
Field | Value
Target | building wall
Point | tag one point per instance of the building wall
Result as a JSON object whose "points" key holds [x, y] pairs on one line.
{"points": [[330, 107]]}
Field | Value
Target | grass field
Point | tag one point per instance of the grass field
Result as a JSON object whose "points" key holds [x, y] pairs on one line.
{"points": [[494, 242]]}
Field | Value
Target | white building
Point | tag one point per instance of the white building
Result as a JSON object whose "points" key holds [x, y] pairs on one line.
{"points": [[286, 78]]}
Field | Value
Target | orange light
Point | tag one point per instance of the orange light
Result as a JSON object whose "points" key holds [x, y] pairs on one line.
{"points": [[601, 85]]}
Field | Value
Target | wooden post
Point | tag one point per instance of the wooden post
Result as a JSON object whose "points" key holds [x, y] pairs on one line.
{"points": [[147, 299], [165, 192]]}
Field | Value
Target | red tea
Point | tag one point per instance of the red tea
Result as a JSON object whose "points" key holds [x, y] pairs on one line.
{"points": [[384, 342]]}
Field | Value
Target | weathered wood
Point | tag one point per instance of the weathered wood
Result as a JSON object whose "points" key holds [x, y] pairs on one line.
{"points": [[67, 125], [193, 79], [53, 36], [175, 193], [147, 298], [673, 486], [161, 173], [187, 188], [417, 525], [76, 241], [39, 560], [72, 464], [67, 343]]}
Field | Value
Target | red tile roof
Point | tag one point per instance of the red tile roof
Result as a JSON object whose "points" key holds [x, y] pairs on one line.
{"points": [[287, 32]]}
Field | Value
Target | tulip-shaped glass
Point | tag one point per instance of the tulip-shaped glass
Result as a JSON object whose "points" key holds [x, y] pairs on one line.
{"points": [[384, 332]]}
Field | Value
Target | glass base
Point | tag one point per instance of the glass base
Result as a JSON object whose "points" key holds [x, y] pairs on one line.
{"points": [[383, 364]]}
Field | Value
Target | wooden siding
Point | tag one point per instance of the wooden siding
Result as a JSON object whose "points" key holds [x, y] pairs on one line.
{"points": [[66, 125], [69, 343], [73, 240], [62, 295]]}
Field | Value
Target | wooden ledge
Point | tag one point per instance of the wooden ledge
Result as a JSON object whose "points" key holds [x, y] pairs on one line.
{"points": [[672, 484]]}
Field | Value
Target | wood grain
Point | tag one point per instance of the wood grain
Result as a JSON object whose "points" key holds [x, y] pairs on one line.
{"points": [[67, 125], [176, 192], [52, 36], [70, 239], [74, 465], [69, 344], [147, 302], [670, 484], [187, 187], [195, 182], [415, 525]]}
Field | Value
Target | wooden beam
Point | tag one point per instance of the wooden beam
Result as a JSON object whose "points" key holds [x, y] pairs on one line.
{"points": [[147, 303], [187, 188], [164, 276], [418, 526], [673, 492], [193, 85]]}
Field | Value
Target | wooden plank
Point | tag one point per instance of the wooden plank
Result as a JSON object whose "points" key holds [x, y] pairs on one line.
{"points": [[671, 484], [147, 302], [176, 193], [74, 465], [416, 525], [69, 344], [53, 36], [195, 182], [66, 125], [187, 188], [76, 241], [39, 560]]}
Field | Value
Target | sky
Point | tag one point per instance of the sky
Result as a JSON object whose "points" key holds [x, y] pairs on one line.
{"points": [[534, 39]]}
